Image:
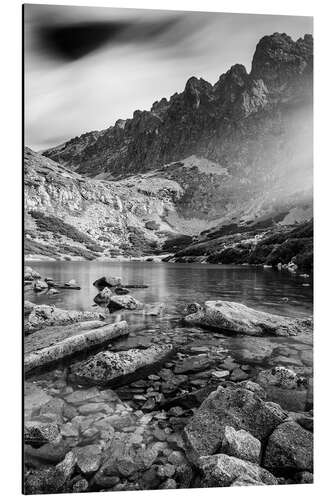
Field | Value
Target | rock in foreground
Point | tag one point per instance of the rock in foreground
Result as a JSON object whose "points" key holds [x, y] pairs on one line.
{"points": [[115, 369], [40, 316], [222, 470], [238, 318], [289, 448], [73, 344], [236, 407]]}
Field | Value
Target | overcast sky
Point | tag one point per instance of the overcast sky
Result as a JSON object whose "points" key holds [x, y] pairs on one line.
{"points": [[85, 67]]}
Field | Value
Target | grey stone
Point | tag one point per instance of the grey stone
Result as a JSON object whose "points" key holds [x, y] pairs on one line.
{"points": [[236, 407], [71, 345], [193, 364], [222, 470], [113, 368], [289, 447], [40, 433], [88, 458], [238, 318], [241, 444]]}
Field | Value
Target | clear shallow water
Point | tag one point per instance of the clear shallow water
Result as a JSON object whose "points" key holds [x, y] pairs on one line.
{"points": [[175, 285]]}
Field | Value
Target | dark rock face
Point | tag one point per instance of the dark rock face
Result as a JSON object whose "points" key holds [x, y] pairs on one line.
{"points": [[289, 448], [239, 408]]}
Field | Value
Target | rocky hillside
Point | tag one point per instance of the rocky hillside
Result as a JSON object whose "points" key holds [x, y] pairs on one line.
{"points": [[68, 215], [237, 153]]}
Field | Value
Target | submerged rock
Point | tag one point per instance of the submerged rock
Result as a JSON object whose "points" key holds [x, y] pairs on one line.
{"points": [[289, 448], [193, 364], [38, 433], [72, 344], [40, 316], [120, 290], [222, 470], [88, 458], [236, 407], [238, 318], [115, 368]]}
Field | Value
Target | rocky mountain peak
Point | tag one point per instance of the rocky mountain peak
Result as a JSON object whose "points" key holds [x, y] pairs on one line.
{"points": [[280, 61], [240, 122]]}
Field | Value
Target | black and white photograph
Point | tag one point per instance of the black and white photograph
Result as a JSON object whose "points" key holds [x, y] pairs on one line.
{"points": [[168, 249]]}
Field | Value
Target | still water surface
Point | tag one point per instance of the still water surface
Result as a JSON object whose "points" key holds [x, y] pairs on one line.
{"points": [[175, 285]]}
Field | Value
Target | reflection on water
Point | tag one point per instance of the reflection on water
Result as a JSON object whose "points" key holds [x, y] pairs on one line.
{"points": [[178, 284]]}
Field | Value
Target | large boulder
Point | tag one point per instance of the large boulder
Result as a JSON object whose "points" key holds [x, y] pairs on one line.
{"points": [[237, 318], [241, 444], [117, 368], [222, 470], [43, 315], [289, 448], [50, 350], [117, 302], [229, 406], [107, 281]]}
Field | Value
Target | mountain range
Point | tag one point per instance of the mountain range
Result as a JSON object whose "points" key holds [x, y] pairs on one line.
{"points": [[199, 173]]}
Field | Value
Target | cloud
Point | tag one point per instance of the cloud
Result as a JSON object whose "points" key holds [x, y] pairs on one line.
{"points": [[85, 67], [73, 41]]}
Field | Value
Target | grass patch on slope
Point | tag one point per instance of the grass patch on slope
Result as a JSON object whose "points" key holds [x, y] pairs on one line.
{"points": [[57, 226]]}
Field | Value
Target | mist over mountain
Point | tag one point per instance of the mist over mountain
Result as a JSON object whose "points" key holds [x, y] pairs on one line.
{"points": [[239, 151]]}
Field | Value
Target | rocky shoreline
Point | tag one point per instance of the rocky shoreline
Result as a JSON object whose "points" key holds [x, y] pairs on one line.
{"points": [[142, 411]]}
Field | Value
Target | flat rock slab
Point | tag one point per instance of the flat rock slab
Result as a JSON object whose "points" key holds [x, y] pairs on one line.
{"points": [[53, 334], [41, 316], [115, 369], [76, 342], [230, 406], [234, 317]]}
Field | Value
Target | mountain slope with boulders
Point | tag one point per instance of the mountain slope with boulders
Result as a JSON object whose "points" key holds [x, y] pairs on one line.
{"points": [[234, 157]]}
